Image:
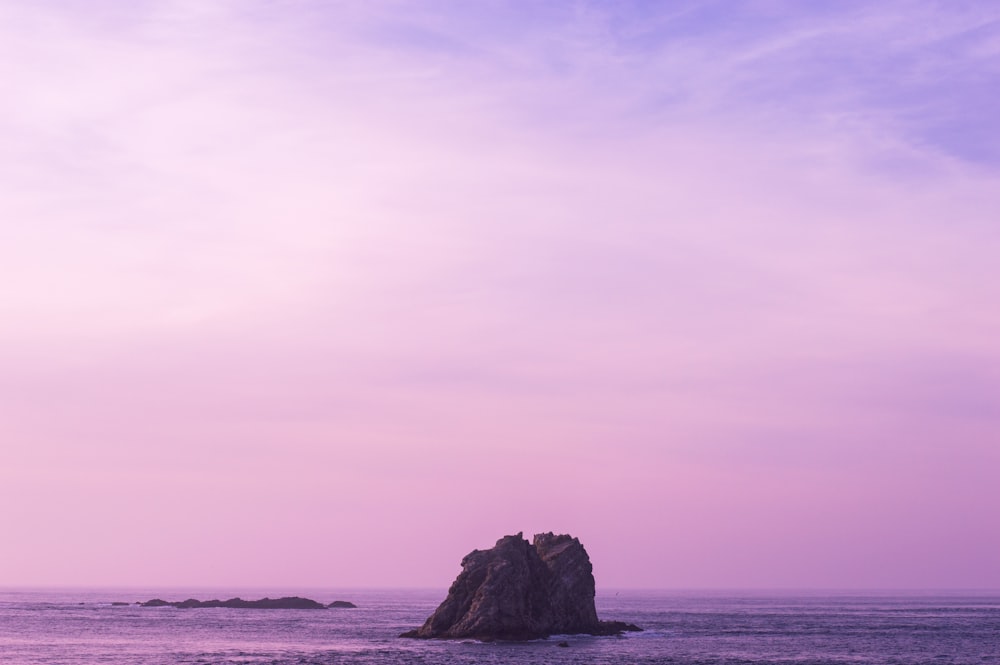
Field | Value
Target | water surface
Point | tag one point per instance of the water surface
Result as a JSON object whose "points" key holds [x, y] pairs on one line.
{"points": [[76, 626]]}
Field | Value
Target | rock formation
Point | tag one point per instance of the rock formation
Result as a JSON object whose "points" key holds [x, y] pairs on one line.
{"points": [[521, 591], [289, 603]]}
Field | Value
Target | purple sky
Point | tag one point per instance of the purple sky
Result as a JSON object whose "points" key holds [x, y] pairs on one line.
{"points": [[306, 293]]}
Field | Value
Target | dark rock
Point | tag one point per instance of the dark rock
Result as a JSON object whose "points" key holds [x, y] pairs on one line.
{"points": [[564, 643], [616, 628], [118, 603], [337, 604], [192, 603], [289, 603], [156, 602], [521, 591]]}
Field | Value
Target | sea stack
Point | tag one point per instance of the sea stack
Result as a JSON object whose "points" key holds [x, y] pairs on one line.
{"points": [[521, 591]]}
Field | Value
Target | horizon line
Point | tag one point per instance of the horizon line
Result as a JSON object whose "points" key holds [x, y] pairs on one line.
{"points": [[600, 591]]}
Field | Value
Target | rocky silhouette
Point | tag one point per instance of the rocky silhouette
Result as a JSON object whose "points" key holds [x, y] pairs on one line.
{"points": [[289, 603], [521, 591]]}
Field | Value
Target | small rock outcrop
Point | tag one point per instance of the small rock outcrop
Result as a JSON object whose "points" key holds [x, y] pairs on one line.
{"points": [[342, 604], [521, 591], [288, 603]]}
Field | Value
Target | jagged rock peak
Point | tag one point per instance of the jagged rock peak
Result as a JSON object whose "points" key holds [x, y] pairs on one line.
{"points": [[519, 591]]}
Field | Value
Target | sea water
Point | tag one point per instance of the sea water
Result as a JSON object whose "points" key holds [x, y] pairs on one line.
{"points": [[82, 626]]}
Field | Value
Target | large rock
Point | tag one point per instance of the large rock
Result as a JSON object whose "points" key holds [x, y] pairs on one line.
{"points": [[521, 591]]}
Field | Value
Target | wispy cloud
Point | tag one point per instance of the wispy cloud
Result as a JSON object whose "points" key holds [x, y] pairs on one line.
{"points": [[636, 247]]}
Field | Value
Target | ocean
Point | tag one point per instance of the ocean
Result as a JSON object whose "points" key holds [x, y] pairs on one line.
{"points": [[77, 626]]}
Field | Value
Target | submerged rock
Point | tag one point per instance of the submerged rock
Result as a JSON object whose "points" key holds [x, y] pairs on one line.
{"points": [[521, 591]]}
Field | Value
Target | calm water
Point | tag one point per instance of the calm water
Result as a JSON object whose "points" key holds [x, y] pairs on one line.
{"points": [[77, 626]]}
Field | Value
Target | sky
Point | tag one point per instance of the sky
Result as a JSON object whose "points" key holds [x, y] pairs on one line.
{"points": [[303, 294]]}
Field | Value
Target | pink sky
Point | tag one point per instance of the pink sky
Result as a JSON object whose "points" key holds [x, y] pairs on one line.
{"points": [[306, 294]]}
